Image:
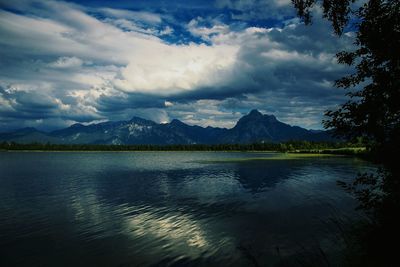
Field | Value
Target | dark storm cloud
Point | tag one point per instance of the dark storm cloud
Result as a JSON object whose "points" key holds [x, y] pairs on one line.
{"points": [[34, 104], [107, 104], [22, 104], [276, 64]]}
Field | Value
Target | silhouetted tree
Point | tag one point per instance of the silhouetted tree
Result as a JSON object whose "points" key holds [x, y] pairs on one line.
{"points": [[371, 113]]}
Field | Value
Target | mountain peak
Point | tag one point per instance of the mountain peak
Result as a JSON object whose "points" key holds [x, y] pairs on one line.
{"points": [[139, 120], [176, 122], [255, 112], [271, 117], [255, 119], [134, 118], [251, 128], [77, 125]]}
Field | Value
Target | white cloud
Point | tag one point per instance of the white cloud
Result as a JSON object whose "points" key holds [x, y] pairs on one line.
{"points": [[168, 103], [173, 69], [195, 28], [166, 31]]}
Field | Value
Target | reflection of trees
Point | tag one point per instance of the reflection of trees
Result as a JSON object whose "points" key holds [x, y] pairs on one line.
{"points": [[161, 185], [258, 176]]}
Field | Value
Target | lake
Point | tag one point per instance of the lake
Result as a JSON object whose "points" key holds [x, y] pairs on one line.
{"points": [[172, 208]]}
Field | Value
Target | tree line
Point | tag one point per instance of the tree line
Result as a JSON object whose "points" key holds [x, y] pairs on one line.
{"points": [[280, 147]]}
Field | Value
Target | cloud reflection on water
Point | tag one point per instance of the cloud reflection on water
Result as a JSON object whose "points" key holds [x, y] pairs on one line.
{"points": [[117, 208], [176, 228]]}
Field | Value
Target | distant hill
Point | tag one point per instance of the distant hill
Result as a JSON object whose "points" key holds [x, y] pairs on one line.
{"points": [[251, 128]]}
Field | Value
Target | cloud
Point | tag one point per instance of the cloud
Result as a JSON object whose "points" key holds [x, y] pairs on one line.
{"points": [[205, 113], [87, 64], [149, 65], [197, 28], [176, 69]]}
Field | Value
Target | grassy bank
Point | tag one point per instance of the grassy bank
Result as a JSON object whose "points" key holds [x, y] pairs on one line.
{"points": [[334, 151]]}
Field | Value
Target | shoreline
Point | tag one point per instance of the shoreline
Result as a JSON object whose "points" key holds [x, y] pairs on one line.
{"points": [[298, 153]]}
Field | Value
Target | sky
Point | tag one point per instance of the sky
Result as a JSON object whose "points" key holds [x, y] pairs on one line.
{"points": [[203, 62]]}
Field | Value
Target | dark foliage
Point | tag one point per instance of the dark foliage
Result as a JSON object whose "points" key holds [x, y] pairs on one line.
{"points": [[373, 108], [371, 113]]}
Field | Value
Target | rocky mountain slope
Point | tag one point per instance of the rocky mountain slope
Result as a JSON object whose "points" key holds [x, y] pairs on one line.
{"points": [[251, 128]]}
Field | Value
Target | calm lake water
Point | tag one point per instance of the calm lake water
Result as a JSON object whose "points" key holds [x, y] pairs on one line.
{"points": [[171, 208]]}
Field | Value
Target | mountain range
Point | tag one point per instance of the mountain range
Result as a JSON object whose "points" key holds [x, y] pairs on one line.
{"points": [[251, 128]]}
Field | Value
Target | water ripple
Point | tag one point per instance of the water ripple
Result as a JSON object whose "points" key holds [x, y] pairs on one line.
{"points": [[165, 209]]}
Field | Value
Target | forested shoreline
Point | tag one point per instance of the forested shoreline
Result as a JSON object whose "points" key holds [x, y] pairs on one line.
{"points": [[292, 146]]}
